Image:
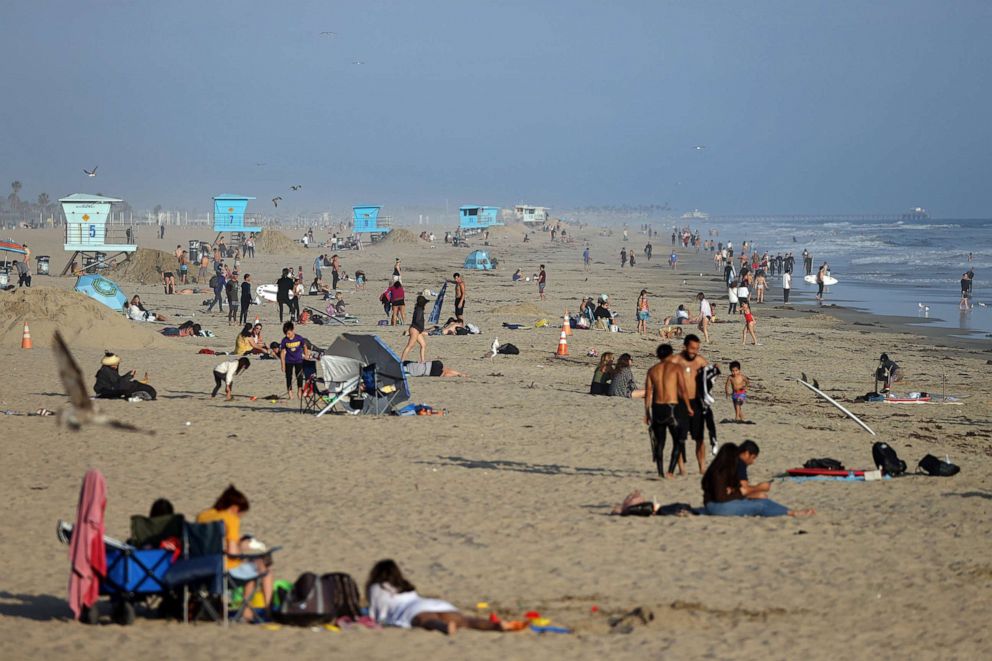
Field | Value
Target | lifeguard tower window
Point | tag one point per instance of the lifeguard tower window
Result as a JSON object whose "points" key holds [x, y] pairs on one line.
{"points": [[471, 212]]}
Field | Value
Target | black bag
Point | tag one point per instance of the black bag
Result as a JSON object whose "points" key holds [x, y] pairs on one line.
{"points": [[318, 600], [213, 282], [826, 463], [508, 349], [931, 465], [886, 458]]}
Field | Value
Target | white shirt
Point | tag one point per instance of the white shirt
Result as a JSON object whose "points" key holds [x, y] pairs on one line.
{"points": [[227, 368], [786, 280], [397, 609], [705, 309]]}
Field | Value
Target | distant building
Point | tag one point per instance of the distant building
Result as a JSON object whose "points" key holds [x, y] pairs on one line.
{"points": [[473, 217], [531, 215]]}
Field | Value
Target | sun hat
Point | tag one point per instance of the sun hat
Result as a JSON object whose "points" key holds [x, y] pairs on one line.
{"points": [[110, 359]]}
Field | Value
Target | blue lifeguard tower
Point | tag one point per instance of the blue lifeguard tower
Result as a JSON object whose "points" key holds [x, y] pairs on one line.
{"points": [[230, 216], [473, 218], [92, 234], [367, 219]]}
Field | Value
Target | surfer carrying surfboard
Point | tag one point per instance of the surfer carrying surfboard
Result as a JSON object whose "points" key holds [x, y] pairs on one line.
{"points": [[821, 276]]}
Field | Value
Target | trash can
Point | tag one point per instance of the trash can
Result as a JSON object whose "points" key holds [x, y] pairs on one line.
{"points": [[4, 277], [101, 260], [194, 251], [43, 264]]}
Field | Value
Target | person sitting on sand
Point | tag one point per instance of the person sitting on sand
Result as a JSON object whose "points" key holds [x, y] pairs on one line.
{"points": [[394, 602], [888, 372], [748, 454], [587, 309], [623, 383], [111, 384], [517, 275], [680, 317], [722, 494], [224, 376], [137, 312], [431, 368], [603, 375], [229, 508]]}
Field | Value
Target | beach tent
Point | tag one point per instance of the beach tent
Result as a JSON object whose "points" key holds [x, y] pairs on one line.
{"points": [[366, 359], [102, 290], [478, 260]]}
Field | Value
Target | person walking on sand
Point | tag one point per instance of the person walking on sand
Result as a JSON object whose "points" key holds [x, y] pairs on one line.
{"points": [[233, 293], [217, 282], [705, 315], [245, 298], [585, 258], [664, 389], [459, 297], [623, 257], [786, 285], [396, 270], [673, 260], [542, 280], [335, 271], [643, 312], [821, 275], [690, 413], [293, 350], [284, 286], [417, 334], [224, 376], [736, 389], [749, 324]]}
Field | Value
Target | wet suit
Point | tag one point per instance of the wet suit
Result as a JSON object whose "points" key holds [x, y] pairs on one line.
{"points": [[662, 420], [283, 286]]}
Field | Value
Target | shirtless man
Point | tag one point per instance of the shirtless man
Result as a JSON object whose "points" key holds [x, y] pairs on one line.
{"points": [[459, 297], [663, 388], [690, 414]]}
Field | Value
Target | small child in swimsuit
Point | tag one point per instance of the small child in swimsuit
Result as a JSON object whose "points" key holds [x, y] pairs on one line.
{"points": [[736, 389]]}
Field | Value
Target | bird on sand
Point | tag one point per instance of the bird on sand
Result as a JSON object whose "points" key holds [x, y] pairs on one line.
{"points": [[296, 187], [90, 173], [805, 378], [275, 201], [81, 410]]}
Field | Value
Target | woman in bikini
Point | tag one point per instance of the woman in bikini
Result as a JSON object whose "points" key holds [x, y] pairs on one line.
{"points": [[643, 312]]}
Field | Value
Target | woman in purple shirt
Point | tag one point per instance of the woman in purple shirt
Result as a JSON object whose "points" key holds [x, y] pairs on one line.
{"points": [[292, 352]]}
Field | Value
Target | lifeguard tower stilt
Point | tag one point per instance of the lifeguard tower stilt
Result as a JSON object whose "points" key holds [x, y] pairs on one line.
{"points": [[367, 219], [91, 234], [230, 216]]}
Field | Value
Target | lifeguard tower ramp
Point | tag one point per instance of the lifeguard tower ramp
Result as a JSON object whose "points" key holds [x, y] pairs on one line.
{"points": [[367, 219], [230, 215], [474, 218], [92, 234]]}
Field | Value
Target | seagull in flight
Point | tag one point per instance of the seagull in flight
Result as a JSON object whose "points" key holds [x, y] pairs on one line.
{"points": [[357, 62], [699, 147], [275, 200], [296, 187], [258, 165], [328, 33], [90, 173]]}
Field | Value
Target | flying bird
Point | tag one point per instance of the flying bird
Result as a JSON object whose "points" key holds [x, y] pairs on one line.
{"points": [[275, 200], [699, 147], [328, 33], [90, 173], [357, 62], [258, 165], [81, 410], [296, 187]]}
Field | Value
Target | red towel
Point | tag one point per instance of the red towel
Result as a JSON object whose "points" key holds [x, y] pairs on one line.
{"points": [[86, 552]]}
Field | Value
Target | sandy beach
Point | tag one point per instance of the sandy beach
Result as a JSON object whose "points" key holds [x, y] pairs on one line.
{"points": [[505, 499]]}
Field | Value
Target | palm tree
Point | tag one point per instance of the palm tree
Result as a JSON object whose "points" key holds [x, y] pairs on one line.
{"points": [[15, 188], [43, 200]]}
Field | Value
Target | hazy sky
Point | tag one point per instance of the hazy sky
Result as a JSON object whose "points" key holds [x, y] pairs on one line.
{"points": [[803, 105]]}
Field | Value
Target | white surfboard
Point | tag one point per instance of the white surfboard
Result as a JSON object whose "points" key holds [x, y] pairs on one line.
{"points": [[828, 280], [267, 292]]}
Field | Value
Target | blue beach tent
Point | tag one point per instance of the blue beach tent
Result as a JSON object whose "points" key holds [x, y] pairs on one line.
{"points": [[478, 260]]}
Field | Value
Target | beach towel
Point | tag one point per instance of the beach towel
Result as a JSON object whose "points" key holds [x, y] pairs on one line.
{"points": [[86, 551], [438, 303]]}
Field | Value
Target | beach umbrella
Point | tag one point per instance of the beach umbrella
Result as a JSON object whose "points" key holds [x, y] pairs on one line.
{"points": [[10, 246], [103, 290], [351, 353]]}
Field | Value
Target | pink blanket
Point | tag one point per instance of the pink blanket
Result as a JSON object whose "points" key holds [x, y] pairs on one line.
{"points": [[86, 552]]}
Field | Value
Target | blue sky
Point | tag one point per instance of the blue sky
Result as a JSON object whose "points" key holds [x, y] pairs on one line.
{"points": [[803, 106]]}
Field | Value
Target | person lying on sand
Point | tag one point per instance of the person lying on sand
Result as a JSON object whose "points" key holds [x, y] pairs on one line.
{"points": [[431, 368], [722, 495], [394, 602], [635, 505]]}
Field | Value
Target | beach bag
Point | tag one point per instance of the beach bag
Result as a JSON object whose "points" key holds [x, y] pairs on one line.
{"points": [[508, 350], [886, 458], [826, 463], [935, 467], [213, 281], [318, 600]]}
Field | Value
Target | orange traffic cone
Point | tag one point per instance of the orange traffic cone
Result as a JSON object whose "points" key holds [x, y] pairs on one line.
{"points": [[562, 345], [26, 338], [256, 320], [567, 327]]}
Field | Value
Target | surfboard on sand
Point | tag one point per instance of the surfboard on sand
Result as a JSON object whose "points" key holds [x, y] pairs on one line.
{"points": [[835, 403], [267, 292], [828, 281], [826, 472]]}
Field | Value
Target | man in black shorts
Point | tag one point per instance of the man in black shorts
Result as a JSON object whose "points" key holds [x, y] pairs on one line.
{"points": [[664, 389], [689, 414], [459, 297]]}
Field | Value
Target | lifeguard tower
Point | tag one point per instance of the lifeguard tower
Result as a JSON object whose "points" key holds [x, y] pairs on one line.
{"points": [[529, 215], [473, 218], [92, 234], [230, 216], [367, 219]]}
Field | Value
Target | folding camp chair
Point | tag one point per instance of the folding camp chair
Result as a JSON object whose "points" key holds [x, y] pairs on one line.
{"points": [[133, 575]]}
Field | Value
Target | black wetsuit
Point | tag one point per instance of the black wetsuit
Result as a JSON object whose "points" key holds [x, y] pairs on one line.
{"points": [[662, 420], [284, 285]]}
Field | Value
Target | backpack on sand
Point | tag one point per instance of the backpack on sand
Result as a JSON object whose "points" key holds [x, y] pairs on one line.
{"points": [[318, 600], [886, 458], [508, 350], [931, 465], [825, 462]]}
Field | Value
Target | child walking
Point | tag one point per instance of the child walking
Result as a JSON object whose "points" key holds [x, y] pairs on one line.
{"points": [[736, 388]]}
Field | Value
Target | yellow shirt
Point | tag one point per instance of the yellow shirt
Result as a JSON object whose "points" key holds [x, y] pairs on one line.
{"points": [[242, 345], [232, 530]]}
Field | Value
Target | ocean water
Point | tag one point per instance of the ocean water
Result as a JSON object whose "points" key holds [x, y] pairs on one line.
{"points": [[890, 268]]}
